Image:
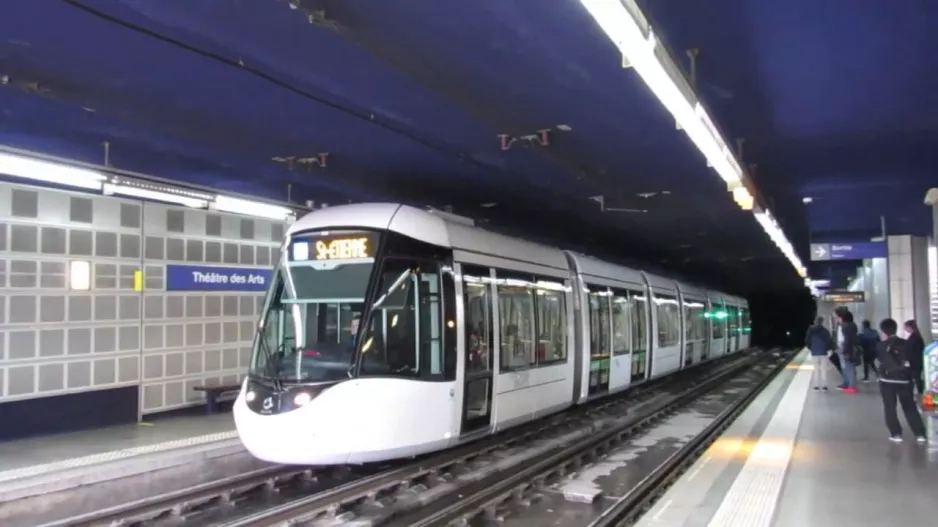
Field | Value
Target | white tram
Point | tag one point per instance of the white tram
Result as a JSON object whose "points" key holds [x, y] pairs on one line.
{"points": [[391, 331]]}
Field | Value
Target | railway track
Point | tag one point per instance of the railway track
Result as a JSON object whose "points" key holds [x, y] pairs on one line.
{"points": [[484, 500], [392, 492], [454, 489]]}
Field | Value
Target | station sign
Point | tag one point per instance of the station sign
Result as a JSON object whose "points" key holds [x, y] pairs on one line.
{"points": [[848, 251], [842, 296], [203, 278]]}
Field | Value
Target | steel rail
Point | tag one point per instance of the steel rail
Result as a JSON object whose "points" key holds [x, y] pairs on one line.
{"points": [[483, 496], [629, 508], [231, 492], [337, 504]]}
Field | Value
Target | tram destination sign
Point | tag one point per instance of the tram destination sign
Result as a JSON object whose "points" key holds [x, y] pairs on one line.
{"points": [[337, 246], [842, 296]]}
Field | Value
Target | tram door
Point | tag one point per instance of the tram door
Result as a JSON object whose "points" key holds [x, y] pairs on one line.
{"points": [[479, 332]]}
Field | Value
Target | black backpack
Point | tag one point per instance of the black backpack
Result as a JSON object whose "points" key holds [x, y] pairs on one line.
{"points": [[897, 363]]}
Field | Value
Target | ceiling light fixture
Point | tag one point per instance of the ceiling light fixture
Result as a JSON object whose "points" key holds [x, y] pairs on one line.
{"points": [[625, 24], [170, 196], [807, 199], [49, 172], [250, 208]]}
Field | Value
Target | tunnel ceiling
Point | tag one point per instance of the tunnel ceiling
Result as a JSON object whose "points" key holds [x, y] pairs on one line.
{"points": [[837, 101], [409, 100]]}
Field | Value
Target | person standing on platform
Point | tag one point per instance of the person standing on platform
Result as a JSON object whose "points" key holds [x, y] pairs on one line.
{"points": [[895, 383], [847, 347], [869, 338], [915, 346], [819, 344]]}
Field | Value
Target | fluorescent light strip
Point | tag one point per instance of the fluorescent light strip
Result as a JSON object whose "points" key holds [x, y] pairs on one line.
{"points": [[781, 241], [137, 192], [57, 173], [627, 33], [251, 208]]}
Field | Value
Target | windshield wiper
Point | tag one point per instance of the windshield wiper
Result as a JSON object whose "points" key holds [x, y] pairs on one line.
{"points": [[271, 363], [397, 283]]}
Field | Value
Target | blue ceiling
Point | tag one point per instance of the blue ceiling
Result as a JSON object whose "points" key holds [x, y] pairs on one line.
{"points": [[837, 101], [408, 98]]}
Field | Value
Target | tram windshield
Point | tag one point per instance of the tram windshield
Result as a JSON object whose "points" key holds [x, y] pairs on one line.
{"points": [[314, 307], [318, 325]]}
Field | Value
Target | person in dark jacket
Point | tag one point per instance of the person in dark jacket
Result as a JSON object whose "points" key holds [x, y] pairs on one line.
{"points": [[819, 344], [915, 346], [848, 346], [869, 338], [895, 383]]}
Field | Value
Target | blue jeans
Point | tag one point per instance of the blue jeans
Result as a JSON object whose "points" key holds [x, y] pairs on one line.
{"points": [[849, 372]]}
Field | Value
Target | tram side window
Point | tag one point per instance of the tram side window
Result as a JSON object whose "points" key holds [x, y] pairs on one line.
{"points": [[404, 336], [638, 305], [694, 321], [746, 321], [516, 316], [719, 322], [669, 320], [732, 321], [700, 323], [639, 308], [477, 306], [621, 323], [599, 321], [689, 320], [551, 323]]}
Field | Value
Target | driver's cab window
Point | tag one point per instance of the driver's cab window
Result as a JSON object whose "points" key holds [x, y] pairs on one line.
{"points": [[404, 336]]}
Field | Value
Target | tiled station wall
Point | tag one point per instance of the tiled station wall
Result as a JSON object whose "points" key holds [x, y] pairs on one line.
{"points": [[55, 341]]}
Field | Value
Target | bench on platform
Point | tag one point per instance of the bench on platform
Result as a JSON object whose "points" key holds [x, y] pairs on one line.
{"points": [[218, 394]]}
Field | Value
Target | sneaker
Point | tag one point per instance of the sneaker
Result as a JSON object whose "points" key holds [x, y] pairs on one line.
{"points": [[921, 440], [896, 439], [851, 390], [816, 389], [824, 388]]}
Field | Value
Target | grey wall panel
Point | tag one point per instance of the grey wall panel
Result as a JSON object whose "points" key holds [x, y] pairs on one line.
{"points": [[187, 336], [55, 340]]}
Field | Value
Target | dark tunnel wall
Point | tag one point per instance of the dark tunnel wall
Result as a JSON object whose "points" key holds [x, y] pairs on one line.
{"points": [[781, 319]]}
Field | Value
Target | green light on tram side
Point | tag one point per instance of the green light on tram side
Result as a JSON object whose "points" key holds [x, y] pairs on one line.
{"points": [[717, 314]]}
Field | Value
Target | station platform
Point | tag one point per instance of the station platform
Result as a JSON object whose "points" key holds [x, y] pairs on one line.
{"points": [[797, 457], [43, 478], [47, 454]]}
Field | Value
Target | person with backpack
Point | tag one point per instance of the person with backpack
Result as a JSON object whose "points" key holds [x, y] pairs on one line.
{"points": [[895, 383], [915, 345], [848, 348], [869, 338], [819, 344]]}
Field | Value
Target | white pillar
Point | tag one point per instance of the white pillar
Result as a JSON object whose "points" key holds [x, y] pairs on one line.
{"points": [[909, 288]]}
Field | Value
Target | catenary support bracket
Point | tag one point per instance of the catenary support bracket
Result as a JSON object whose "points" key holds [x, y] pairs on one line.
{"points": [[540, 138], [320, 160]]}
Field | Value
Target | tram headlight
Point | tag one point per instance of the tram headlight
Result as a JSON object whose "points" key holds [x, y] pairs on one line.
{"points": [[301, 399], [250, 396]]}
